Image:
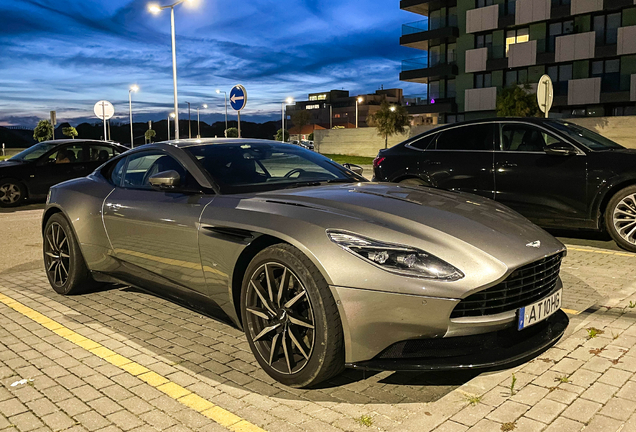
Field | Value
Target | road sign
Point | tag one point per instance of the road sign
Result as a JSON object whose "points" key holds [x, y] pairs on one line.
{"points": [[545, 94], [104, 110], [53, 118], [238, 97]]}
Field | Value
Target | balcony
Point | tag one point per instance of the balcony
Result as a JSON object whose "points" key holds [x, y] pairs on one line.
{"points": [[421, 70], [421, 104], [419, 34], [423, 6]]}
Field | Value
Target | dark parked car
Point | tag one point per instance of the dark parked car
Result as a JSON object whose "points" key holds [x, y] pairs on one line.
{"points": [[30, 174], [557, 174]]}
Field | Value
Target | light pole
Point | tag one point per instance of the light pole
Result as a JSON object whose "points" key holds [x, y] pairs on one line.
{"points": [[132, 136], [170, 115], [358, 101], [225, 93], [330, 115], [155, 9], [189, 122], [199, 121], [287, 101]]}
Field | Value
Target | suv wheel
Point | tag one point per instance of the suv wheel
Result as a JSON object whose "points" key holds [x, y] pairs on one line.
{"points": [[620, 218]]}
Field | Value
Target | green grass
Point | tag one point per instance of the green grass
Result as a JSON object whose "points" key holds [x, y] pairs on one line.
{"points": [[357, 160], [365, 420], [473, 400], [4, 157]]}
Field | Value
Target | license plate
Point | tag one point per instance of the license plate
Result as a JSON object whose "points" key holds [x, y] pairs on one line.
{"points": [[540, 310]]}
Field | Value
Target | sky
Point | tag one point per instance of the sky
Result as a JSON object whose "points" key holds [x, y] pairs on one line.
{"points": [[66, 55]]}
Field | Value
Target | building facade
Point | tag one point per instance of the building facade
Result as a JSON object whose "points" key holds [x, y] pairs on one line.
{"points": [[471, 49], [336, 108]]}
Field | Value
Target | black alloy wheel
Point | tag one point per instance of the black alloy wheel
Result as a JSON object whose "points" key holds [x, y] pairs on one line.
{"points": [[620, 218], [290, 318], [63, 261], [12, 193]]}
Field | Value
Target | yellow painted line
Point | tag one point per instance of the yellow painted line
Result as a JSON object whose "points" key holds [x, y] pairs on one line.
{"points": [[161, 383], [623, 254]]}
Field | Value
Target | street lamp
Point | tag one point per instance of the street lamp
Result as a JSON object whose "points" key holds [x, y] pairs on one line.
{"points": [[392, 108], [204, 106], [135, 89], [189, 122], [358, 101], [173, 116], [225, 93], [155, 9], [287, 101]]}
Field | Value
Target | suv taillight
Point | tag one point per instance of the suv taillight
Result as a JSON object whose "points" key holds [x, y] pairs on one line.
{"points": [[377, 161]]}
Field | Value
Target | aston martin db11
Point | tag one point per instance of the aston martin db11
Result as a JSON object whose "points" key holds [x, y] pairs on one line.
{"points": [[320, 268]]}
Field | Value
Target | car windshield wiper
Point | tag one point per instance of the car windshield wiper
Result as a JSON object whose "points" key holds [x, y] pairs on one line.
{"points": [[343, 180]]}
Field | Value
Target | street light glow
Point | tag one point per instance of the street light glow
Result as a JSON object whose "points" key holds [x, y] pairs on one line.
{"points": [[360, 100], [392, 108], [205, 105], [154, 8], [218, 91], [289, 100], [134, 88]]}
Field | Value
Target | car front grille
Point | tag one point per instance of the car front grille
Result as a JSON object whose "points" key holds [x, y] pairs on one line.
{"points": [[523, 287]]}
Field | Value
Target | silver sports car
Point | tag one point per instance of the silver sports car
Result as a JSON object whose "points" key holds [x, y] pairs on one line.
{"points": [[319, 267]]}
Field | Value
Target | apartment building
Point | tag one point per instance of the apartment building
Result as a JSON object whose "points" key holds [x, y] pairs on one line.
{"points": [[471, 49]]}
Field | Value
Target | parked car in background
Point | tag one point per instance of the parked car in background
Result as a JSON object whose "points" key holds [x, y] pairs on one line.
{"points": [[319, 267], [30, 173], [557, 174], [309, 145]]}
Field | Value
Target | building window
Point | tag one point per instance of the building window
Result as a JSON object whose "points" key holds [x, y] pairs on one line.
{"points": [[433, 90], [336, 116], [435, 20], [557, 3], [516, 77], [435, 56], [609, 71], [452, 17], [606, 28], [312, 107], [322, 97], [313, 98], [450, 53], [484, 41], [511, 7], [450, 89], [558, 29], [516, 36], [624, 111], [483, 80], [560, 76], [484, 3]]}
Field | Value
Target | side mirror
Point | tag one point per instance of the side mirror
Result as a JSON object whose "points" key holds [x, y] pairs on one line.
{"points": [[165, 180], [559, 149], [353, 167]]}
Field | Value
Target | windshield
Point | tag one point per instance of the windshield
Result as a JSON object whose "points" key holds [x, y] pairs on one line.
{"points": [[589, 139], [258, 167], [34, 152]]}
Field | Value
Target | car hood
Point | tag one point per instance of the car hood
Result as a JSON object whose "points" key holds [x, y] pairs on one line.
{"points": [[11, 163], [431, 215]]}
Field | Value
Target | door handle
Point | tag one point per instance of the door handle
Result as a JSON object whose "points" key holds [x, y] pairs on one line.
{"points": [[507, 165]]}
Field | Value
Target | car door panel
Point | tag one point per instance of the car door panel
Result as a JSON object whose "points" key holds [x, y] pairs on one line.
{"points": [[49, 171], [550, 190]]}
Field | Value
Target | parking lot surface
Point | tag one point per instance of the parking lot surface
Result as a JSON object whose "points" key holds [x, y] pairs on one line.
{"points": [[121, 359]]}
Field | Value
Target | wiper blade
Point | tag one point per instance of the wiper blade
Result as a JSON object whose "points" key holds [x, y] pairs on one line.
{"points": [[342, 181]]}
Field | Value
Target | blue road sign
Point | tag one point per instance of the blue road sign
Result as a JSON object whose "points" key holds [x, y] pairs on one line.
{"points": [[238, 97]]}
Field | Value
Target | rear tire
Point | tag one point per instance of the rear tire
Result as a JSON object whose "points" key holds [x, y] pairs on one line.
{"points": [[63, 261], [290, 318], [12, 193], [620, 218]]}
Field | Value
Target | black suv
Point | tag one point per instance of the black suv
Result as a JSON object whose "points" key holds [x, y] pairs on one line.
{"points": [[557, 174]]}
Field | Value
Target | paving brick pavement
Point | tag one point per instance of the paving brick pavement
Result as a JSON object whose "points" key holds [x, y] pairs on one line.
{"points": [[582, 382]]}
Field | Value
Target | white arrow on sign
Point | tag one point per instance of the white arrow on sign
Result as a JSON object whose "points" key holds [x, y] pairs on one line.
{"points": [[235, 98]]}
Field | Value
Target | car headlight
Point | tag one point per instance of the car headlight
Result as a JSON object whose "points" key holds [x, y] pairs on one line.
{"points": [[396, 258]]}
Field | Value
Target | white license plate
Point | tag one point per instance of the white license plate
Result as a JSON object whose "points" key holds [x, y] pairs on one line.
{"points": [[540, 310]]}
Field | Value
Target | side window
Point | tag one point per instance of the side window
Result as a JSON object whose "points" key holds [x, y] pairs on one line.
{"points": [[117, 172], [524, 138], [471, 137], [424, 142], [142, 166], [100, 153], [68, 154]]}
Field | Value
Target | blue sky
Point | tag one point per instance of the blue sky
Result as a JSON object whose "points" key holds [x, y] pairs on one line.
{"points": [[65, 55]]}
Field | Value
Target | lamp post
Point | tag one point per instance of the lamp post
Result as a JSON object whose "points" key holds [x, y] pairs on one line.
{"points": [[170, 115], [358, 101], [287, 101], [199, 120], [189, 122], [330, 115], [225, 93], [155, 9], [135, 89]]}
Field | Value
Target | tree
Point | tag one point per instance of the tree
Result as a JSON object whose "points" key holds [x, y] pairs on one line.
{"points": [[70, 132], [300, 119], [278, 135], [390, 120], [516, 101], [150, 134], [43, 131], [311, 137], [232, 133]]}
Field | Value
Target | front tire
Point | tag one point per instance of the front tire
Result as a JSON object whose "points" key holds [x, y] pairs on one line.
{"points": [[12, 193], [290, 318], [620, 218], [63, 261]]}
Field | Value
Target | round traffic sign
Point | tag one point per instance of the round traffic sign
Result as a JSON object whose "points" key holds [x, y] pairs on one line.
{"points": [[545, 93], [104, 110], [238, 97]]}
